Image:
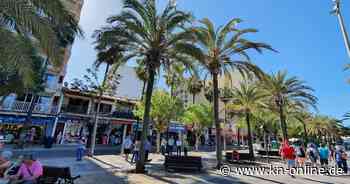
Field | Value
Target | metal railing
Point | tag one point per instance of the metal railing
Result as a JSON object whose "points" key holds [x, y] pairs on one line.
{"points": [[19, 106]]}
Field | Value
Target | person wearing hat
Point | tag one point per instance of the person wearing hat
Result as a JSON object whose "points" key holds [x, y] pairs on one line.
{"points": [[29, 171], [5, 162]]}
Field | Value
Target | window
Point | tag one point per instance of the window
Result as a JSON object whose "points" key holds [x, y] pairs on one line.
{"points": [[51, 81], [104, 108]]}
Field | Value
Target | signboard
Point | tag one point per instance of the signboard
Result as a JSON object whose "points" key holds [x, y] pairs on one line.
{"points": [[11, 119]]}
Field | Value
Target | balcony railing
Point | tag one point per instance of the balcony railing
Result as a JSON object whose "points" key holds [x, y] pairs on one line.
{"points": [[19, 106], [77, 109]]}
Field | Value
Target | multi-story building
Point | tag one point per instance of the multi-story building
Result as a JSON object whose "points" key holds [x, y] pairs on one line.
{"points": [[14, 109], [77, 116], [229, 128]]}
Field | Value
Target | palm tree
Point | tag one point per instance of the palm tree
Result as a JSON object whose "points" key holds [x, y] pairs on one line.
{"points": [[214, 52], [303, 117], [22, 21], [284, 91], [154, 36], [174, 76], [246, 99], [108, 57], [194, 86]]}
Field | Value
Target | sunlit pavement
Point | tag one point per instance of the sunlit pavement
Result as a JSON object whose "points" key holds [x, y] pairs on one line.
{"points": [[111, 169]]}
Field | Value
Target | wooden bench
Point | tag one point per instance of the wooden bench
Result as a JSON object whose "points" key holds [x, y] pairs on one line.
{"points": [[240, 158], [54, 174], [183, 163], [271, 152]]}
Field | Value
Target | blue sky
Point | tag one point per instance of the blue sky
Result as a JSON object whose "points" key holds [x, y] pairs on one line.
{"points": [[307, 37]]}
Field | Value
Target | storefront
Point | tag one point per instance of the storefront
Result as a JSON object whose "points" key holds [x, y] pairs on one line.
{"points": [[70, 128], [12, 125]]}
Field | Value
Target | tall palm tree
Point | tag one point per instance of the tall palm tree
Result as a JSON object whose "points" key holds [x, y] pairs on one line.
{"points": [[145, 32], [194, 86], [284, 91], [108, 57], [174, 76], [215, 51], [247, 98]]}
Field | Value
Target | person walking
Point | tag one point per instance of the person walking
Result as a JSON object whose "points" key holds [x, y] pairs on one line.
{"points": [[127, 147], [148, 147], [178, 146], [312, 154], [185, 147], [81, 148], [301, 155], [163, 145], [341, 159], [135, 154], [289, 155], [170, 145], [324, 155]]}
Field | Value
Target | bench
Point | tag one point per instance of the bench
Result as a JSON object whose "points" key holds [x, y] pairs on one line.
{"points": [[237, 157], [271, 152], [53, 174], [183, 163]]}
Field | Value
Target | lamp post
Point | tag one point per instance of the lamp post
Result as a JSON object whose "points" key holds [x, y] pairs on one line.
{"points": [[336, 11]]}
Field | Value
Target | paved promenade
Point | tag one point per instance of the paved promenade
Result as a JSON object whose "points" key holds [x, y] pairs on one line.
{"points": [[112, 169]]}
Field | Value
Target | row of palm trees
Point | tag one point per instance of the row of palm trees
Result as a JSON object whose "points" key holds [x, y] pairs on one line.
{"points": [[162, 39]]}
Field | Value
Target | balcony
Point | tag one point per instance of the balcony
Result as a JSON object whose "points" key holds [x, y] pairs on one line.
{"points": [[76, 109], [19, 106]]}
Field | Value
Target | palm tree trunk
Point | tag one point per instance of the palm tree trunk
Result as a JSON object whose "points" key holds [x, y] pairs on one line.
{"points": [[305, 132], [238, 136], [143, 89], [94, 130], [250, 141], [193, 98], [158, 141], [216, 120], [140, 165], [283, 123]]}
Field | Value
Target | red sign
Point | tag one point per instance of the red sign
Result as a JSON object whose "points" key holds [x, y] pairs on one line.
{"points": [[121, 122]]}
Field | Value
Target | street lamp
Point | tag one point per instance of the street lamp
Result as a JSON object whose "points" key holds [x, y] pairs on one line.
{"points": [[336, 11]]}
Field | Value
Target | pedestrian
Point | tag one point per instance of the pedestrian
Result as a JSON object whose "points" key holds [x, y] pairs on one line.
{"points": [[289, 155], [312, 154], [127, 147], [178, 147], [135, 153], [341, 159], [301, 155], [58, 138], [324, 155], [81, 148], [163, 145], [148, 147], [170, 145], [185, 147]]}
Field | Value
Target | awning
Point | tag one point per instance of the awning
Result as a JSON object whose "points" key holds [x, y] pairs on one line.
{"points": [[13, 119]]}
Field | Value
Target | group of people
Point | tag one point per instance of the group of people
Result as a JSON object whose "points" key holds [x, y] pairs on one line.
{"points": [[133, 147], [168, 146], [25, 170], [297, 155]]}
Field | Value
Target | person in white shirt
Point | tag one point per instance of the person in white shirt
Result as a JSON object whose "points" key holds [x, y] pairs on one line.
{"points": [[127, 147], [163, 144], [178, 147], [170, 145]]}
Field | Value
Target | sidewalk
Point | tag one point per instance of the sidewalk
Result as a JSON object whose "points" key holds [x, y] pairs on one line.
{"points": [[111, 169]]}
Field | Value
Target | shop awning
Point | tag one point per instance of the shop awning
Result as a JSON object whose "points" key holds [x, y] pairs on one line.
{"points": [[12, 119]]}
